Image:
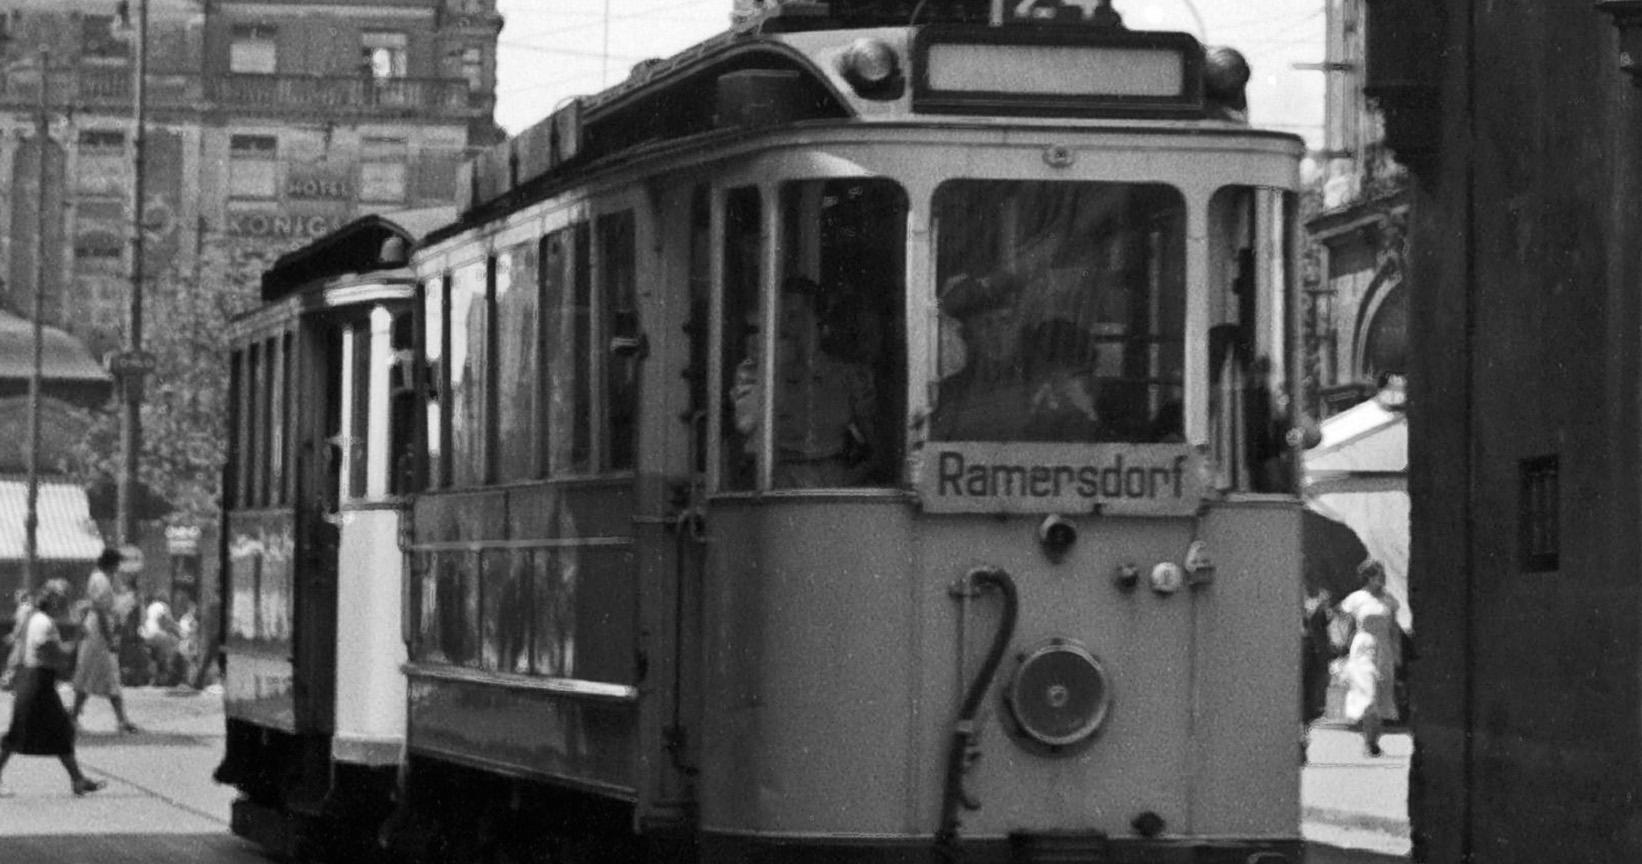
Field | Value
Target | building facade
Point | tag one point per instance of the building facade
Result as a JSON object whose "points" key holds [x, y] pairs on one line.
{"points": [[269, 123], [1355, 311], [1522, 124]]}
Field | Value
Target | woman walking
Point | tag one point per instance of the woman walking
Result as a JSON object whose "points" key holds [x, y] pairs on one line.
{"points": [[39, 725], [1371, 663], [98, 672]]}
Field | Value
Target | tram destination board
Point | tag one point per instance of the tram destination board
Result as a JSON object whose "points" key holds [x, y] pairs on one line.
{"points": [[1118, 479]]}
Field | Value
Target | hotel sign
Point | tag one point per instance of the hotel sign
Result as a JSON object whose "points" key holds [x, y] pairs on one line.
{"points": [[1113, 479], [273, 225], [313, 185]]}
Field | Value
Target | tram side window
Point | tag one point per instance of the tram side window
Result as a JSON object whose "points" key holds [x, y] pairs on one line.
{"points": [[279, 420], [358, 432], [840, 349], [518, 345], [741, 343], [620, 329], [565, 293], [469, 357], [1062, 312], [234, 494], [402, 407], [255, 417], [1250, 338], [435, 338]]}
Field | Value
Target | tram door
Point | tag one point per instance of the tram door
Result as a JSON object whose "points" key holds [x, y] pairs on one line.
{"points": [[320, 448]]}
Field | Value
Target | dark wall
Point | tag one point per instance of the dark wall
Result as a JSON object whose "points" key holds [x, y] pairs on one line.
{"points": [[1525, 333]]}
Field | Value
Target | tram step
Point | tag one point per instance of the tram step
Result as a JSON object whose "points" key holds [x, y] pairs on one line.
{"points": [[1060, 847]]}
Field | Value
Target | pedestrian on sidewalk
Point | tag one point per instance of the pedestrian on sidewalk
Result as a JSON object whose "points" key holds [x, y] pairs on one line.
{"points": [[39, 725], [1371, 661], [97, 673], [1317, 652], [160, 633]]}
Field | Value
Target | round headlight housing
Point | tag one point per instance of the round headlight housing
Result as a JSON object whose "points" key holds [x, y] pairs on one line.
{"points": [[871, 67], [1059, 695]]}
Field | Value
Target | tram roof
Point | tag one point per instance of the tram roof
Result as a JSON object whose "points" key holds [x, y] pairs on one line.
{"points": [[866, 60], [379, 241]]}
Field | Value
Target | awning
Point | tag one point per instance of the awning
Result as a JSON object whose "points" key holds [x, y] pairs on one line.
{"points": [[1358, 476], [65, 533]]}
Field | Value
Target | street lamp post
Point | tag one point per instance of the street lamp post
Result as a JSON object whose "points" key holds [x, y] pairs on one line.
{"points": [[134, 368], [31, 520]]}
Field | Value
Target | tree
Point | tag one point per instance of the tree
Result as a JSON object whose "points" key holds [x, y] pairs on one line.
{"points": [[185, 403]]}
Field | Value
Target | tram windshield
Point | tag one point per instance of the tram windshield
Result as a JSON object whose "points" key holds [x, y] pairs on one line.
{"points": [[1062, 311]]}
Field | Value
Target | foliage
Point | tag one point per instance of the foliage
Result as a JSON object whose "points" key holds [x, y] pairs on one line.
{"points": [[185, 409]]}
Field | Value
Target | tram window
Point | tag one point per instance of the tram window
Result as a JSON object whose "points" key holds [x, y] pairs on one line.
{"points": [[284, 469], [402, 463], [437, 413], [235, 477], [1062, 311], [581, 403], [700, 305], [839, 384], [255, 416], [468, 361], [565, 288], [1250, 338], [278, 385], [619, 328], [357, 435], [518, 345], [740, 348]]}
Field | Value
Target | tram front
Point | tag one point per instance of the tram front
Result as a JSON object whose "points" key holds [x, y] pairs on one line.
{"points": [[1005, 461]]}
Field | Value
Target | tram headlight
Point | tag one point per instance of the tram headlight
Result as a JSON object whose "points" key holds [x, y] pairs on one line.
{"points": [[872, 68], [1225, 75]]}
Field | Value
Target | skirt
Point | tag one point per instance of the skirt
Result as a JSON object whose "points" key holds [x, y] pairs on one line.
{"points": [[97, 671], [39, 725]]}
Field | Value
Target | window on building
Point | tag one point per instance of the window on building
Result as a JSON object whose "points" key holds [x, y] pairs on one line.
{"points": [[383, 55], [253, 50], [99, 38], [253, 170], [102, 165], [99, 252], [382, 170], [473, 68]]}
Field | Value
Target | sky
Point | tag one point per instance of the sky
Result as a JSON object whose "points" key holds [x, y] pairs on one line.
{"points": [[551, 50]]}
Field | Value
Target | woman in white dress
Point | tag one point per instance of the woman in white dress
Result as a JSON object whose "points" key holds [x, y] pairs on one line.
{"points": [[1371, 664], [97, 672]]}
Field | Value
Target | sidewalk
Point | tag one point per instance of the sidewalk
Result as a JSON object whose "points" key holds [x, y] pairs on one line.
{"points": [[159, 780], [1353, 801]]}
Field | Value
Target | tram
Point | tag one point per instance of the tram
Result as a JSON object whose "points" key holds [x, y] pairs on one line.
{"points": [[854, 438]]}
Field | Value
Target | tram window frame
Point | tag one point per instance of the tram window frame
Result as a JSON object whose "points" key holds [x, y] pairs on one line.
{"points": [[1252, 338], [280, 474], [1071, 335], [842, 360]]}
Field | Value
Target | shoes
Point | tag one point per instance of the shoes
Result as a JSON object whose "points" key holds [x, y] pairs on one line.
{"points": [[129, 728], [86, 784], [1372, 750]]}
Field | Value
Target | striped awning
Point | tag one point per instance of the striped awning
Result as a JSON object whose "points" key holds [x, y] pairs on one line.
{"points": [[66, 531]]}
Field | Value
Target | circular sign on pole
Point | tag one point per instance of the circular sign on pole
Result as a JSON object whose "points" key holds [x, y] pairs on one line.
{"points": [[131, 561]]}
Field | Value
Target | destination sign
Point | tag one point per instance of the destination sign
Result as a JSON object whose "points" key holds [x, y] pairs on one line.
{"points": [[1115, 479]]}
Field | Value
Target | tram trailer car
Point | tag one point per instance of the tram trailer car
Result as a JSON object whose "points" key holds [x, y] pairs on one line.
{"points": [[322, 451], [845, 440]]}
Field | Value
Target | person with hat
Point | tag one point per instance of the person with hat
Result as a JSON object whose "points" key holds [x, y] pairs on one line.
{"points": [[982, 397], [98, 671], [39, 725]]}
